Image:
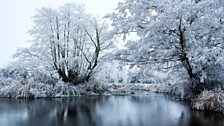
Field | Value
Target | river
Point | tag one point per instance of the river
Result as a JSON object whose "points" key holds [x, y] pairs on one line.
{"points": [[137, 110]]}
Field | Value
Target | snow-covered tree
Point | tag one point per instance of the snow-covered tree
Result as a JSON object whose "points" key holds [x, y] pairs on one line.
{"points": [[111, 72], [66, 42], [184, 33]]}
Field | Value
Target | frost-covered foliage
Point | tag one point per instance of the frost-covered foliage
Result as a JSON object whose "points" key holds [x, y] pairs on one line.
{"points": [[16, 72], [111, 72], [22, 73], [14, 89], [119, 72], [183, 33], [67, 42], [151, 74], [212, 100]]}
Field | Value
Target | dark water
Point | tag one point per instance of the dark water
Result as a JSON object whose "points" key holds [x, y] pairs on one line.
{"points": [[142, 110]]}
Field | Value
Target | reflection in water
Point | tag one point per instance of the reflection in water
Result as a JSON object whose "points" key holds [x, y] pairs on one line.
{"points": [[142, 110]]}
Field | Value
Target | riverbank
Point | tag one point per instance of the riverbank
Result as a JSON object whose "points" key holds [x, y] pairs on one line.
{"points": [[13, 89], [10, 88], [212, 100], [208, 100]]}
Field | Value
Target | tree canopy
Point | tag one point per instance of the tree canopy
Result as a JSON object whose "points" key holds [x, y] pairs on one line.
{"points": [[184, 33]]}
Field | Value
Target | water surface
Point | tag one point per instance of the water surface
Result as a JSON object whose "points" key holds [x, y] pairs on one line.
{"points": [[140, 110]]}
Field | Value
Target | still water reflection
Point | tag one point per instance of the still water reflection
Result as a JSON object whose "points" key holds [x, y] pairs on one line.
{"points": [[141, 110]]}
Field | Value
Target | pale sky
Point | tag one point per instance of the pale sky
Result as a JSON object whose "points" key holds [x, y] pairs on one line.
{"points": [[16, 20]]}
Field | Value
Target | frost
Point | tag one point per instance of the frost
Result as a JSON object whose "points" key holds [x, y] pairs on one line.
{"points": [[184, 34], [212, 100], [14, 89], [33, 89]]}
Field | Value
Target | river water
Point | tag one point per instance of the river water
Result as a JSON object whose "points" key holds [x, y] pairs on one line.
{"points": [[139, 110]]}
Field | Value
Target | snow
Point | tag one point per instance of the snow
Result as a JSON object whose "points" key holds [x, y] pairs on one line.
{"points": [[14, 89], [180, 27], [212, 100], [174, 43]]}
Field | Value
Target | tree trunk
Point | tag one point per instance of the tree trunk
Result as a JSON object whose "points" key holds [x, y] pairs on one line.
{"points": [[196, 85], [63, 75]]}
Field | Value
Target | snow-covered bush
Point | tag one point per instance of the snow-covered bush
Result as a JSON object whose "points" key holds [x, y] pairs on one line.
{"points": [[14, 89], [23, 74], [16, 72], [212, 100]]}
